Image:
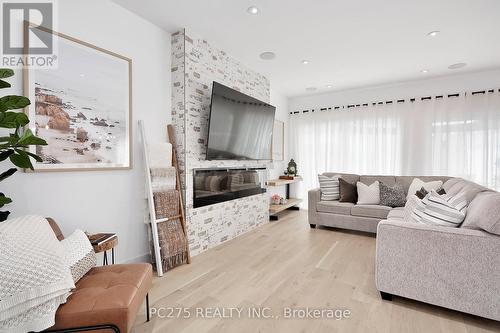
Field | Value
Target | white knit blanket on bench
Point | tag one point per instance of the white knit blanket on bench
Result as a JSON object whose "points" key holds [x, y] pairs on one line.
{"points": [[34, 277]]}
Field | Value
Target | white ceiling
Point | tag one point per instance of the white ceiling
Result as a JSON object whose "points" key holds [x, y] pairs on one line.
{"points": [[350, 43]]}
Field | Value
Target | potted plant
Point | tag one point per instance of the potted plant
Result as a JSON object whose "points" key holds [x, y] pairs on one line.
{"points": [[13, 146]]}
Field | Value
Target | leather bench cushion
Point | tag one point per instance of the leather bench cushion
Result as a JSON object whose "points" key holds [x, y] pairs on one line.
{"points": [[106, 295], [375, 211], [334, 207]]}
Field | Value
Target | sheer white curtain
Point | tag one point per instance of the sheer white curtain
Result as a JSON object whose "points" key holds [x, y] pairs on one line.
{"points": [[457, 136]]}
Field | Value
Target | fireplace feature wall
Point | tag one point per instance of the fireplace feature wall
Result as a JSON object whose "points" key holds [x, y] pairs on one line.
{"points": [[212, 186], [195, 65]]}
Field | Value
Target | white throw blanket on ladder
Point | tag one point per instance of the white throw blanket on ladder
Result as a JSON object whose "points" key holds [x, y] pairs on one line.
{"points": [[34, 277]]}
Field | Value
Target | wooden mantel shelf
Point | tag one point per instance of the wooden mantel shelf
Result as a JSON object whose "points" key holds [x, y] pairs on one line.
{"points": [[280, 182]]}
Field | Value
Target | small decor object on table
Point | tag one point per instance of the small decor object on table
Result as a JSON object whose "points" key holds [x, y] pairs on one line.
{"points": [[275, 199], [292, 168], [103, 242], [283, 201]]}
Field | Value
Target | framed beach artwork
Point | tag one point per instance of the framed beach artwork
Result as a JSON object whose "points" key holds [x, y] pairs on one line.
{"points": [[278, 140], [82, 108]]}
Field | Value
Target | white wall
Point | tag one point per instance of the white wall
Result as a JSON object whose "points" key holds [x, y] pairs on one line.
{"points": [[431, 86], [107, 200]]}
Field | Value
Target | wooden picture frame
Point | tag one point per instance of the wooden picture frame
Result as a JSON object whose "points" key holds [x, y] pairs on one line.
{"points": [[278, 146], [82, 108]]}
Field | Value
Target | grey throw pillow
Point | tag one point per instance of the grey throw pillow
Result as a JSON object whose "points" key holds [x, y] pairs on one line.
{"points": [[484, 213], [392, 196]]}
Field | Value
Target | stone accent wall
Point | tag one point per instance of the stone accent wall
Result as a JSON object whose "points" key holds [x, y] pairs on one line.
{"points": [[195, 65]]}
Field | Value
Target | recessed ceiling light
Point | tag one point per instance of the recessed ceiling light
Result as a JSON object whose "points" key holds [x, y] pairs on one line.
{"points": [[311, 89], [433, 33], [268, 55], [305, 62], [457, 65], [329, 86], [253, 10], [424, 71]]}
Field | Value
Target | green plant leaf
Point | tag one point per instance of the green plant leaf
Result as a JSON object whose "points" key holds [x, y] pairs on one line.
{"points": [[4, 84], [11, 119], [21, 160], [13, 102], [4, 200], [7, 174], [29, 139], [34, 156], [6, 72], [5, 154]]}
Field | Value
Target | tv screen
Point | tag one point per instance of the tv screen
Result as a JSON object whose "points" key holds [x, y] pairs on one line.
{"points": [[241, 127]]}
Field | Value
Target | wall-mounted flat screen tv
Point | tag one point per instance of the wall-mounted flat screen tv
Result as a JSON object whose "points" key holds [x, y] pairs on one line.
{"points": [[241, 127]]}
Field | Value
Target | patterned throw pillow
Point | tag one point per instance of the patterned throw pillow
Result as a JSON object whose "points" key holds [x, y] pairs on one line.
{"points": [[79, 254], [368, 195], [447, 211], [392, 196], [330, 187]]}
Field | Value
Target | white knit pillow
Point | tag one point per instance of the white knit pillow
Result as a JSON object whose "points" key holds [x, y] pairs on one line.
{"points": [[79, 254], [330, 187], [368, 195]]}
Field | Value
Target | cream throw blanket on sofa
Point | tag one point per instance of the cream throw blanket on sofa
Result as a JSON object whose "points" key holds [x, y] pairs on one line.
{"points": [[34, 278]]}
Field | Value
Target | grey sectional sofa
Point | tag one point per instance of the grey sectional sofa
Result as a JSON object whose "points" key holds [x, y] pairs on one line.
{"points": [[347, 215], [456, 268]]}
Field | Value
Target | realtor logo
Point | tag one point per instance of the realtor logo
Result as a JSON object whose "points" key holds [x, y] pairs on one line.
{"points": [[38, 14], [27, 34]]}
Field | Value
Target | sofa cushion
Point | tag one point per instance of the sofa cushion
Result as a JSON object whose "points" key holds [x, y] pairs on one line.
{"points": [[106, 295], [329, 186], [454, 186], [392, 196], [375, 211], [446, 211], [484, 213], [398, 213], [368, 180], [348, 191], [335, 207], [368, 194], [410, 205]]}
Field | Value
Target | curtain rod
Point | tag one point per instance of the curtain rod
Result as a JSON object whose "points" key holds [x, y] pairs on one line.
{"points": [[401, 100]]}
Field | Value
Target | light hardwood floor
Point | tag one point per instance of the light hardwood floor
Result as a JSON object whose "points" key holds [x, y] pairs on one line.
{"points": [[287, 264]]}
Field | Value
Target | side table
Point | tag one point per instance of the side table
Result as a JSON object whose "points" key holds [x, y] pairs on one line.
{"points": [[105, 247]]}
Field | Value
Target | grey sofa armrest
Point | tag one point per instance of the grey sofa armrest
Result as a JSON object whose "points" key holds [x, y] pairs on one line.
{"points": [[450, 267], [313, 197]]}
